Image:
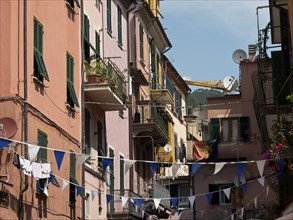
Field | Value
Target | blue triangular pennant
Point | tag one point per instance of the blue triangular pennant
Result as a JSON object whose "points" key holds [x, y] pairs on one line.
{"points": [[195, 168], [153, 166], [109, 198], [240, 168], [210, 197], [174, 202], [139, 202], [79, 190], [59, 157], [244, 187], [4, 142], [51, 177], [106, 162]]}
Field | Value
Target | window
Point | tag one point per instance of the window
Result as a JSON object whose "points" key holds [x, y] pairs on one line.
{"points": [[101, 151], [40, 71], [71, 95], [109, 17], [141, 44], [183, 193], [178, 103], [87, 147], [119, 15], [122, 175], [219, 197], [42, 157], [87, 55], [72, 179], [232, 129]]}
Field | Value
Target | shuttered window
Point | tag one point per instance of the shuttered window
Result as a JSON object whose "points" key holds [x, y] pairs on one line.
{"points": [[86, 38], [98, 44], [87, 149], [43, 142], [71, 95], [122, 174], [141, 44], [244, 129], [215, 129], [109, 17], [40, 71], [72, 179], [119, 25]]}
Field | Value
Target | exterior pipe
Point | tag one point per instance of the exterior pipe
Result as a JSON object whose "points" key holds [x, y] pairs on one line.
{"points": [[82, 100], [24, 186]]}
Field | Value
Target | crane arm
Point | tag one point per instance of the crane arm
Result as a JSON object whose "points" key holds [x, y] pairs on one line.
{"points": [[215, 84]]}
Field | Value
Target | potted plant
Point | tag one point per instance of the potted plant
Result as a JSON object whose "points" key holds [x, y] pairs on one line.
{"points": [[96, 71]]}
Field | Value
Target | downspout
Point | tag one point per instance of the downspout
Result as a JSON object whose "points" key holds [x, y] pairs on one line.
{"points": [[130, 98], [82, 102], [24, 186]]}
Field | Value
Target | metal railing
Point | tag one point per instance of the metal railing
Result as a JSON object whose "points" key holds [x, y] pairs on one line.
{"points": [[115, 206], [148, 114], [160, 191]]}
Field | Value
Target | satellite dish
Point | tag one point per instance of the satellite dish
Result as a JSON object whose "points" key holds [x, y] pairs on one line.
{"points": [[230, 83], [8, 127], [239, 55], [167, 148]]}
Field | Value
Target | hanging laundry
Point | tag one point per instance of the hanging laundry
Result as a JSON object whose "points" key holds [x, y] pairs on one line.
{"points": [[27, 167], [41, 170]]}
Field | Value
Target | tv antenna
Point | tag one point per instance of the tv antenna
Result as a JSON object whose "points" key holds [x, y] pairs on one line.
{"points": [[239, 55]]}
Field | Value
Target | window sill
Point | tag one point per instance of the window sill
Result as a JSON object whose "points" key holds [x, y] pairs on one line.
{"points": [[141, 61], [109, 32], [120, 46]]}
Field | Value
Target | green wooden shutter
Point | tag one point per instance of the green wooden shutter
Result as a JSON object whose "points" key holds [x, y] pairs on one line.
{"points": [[98, 44], [244, 129], [215, 129], [72, 179], [119, 13], [71, 95], [87, 149], [121, 175], [86, 28], [72, 164], [109, 16], [43, 142]]}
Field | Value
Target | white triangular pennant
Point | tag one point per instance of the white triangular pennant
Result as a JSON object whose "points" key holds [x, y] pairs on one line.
{"points": [[227, 192], [261, 181], [175, 168], [81, 159], [157, 203], [255, 202], [218, 167], [260, 165], [232, 216], [94, 194], [33, 152], [127, 165], [123, 200], [191, 200], [64, 185]]}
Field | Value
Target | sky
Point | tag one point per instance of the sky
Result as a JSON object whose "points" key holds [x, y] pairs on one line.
{"points": [[205, 33]]}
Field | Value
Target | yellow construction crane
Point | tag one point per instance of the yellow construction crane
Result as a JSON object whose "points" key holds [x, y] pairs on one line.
{"points": [[215, 84], [227, 85]]}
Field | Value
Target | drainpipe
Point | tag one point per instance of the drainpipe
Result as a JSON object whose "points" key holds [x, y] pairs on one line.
{"points": [[24, 186], [82, 102]]}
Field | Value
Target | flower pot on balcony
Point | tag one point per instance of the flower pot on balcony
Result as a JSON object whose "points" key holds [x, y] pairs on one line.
{"points": [[91, 79]]}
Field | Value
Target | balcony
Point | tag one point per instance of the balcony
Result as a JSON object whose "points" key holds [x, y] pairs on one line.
{"points": [[162, 95], [105, 85], [129, 211], [151, 121]]}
